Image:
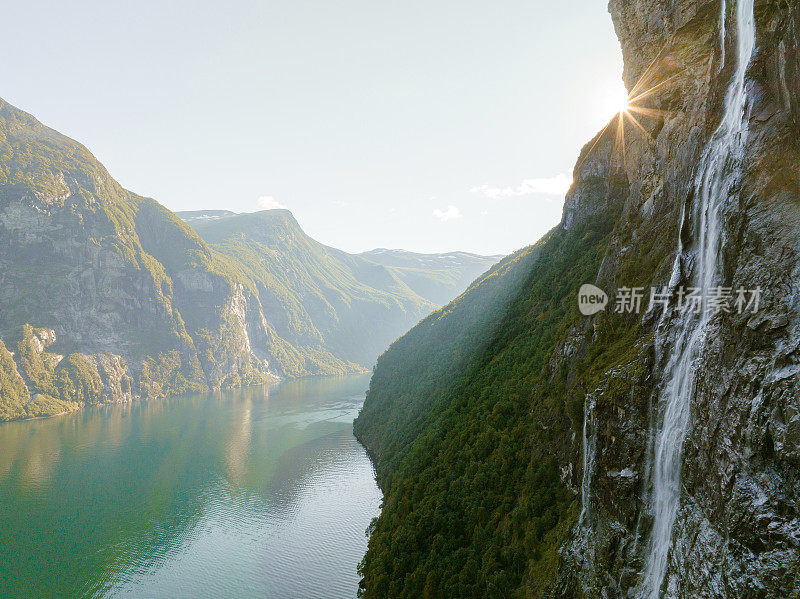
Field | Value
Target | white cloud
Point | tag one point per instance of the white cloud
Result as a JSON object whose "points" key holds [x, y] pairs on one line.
{"points": [[448, 214], [551, 186], [269, 203]]}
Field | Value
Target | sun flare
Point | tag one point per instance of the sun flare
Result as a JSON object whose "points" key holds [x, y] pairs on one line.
{"points": [[622, 100], [628, 107], [610, 100], [624, 105]]}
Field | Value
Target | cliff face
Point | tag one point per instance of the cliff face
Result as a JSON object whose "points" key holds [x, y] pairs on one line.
{"points": [[674, 434], [731, 485], [114, 279]]}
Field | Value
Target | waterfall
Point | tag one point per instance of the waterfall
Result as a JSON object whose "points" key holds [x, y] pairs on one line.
{"points": [[718, 171], [589, 445], [722, 13]]}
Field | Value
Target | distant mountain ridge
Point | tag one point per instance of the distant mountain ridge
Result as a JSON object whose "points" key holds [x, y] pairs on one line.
{"points": [[434, 276], [316, 294], [107, 296], [405, 258]]}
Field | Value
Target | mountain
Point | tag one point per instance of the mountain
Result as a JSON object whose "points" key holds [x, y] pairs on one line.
{"points": [[525, 449], [467, 421], [436, 277], [107, 296], [316, 296]]}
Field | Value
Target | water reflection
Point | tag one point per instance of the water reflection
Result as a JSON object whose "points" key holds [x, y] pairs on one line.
{"points": [[260, 491]]}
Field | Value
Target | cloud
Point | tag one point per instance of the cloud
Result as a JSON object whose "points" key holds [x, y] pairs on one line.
{"points": [[449, 214], [551, 186], [269, 203]]}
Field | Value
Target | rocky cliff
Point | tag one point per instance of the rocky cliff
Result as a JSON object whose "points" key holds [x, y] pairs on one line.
{"points": [[104, 272], [673, 434], [692, 483]]}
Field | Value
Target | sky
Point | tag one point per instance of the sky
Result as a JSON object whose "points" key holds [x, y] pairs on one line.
{"points": [[428, 126]]}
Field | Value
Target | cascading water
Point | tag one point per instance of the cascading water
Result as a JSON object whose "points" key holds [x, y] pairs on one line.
{"points": [[589, 445], [722, 13], [719, 169]]}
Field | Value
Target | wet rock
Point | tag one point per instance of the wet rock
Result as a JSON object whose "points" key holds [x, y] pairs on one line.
{"points": [[736, 533]]}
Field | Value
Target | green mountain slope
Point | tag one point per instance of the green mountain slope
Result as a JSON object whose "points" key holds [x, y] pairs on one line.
{"points": [[528, 451], [315, 295], [467, 419], [105, 295]]}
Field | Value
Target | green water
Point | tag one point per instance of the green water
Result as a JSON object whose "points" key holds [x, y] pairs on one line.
{"points": [[260, 492]]}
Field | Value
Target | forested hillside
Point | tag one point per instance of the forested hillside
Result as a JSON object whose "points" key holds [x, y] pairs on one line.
{"points": [[467, 420]]}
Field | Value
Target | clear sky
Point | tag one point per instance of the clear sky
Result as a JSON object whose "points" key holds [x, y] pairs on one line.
{"points": [[425, 125]]}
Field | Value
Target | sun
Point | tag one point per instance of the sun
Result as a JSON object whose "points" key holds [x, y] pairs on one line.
{"points": [[608, 101], [622, 100], [629, 106], [625, 105]]}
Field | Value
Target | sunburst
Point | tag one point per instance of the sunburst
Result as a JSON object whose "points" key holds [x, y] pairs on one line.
{"points": [[635, 107]]}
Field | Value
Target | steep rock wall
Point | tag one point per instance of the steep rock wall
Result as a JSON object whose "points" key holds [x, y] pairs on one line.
{"points": [[737, 531]]}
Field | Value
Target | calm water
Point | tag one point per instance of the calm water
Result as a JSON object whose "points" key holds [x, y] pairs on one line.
{"points": [[260, 492]]}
